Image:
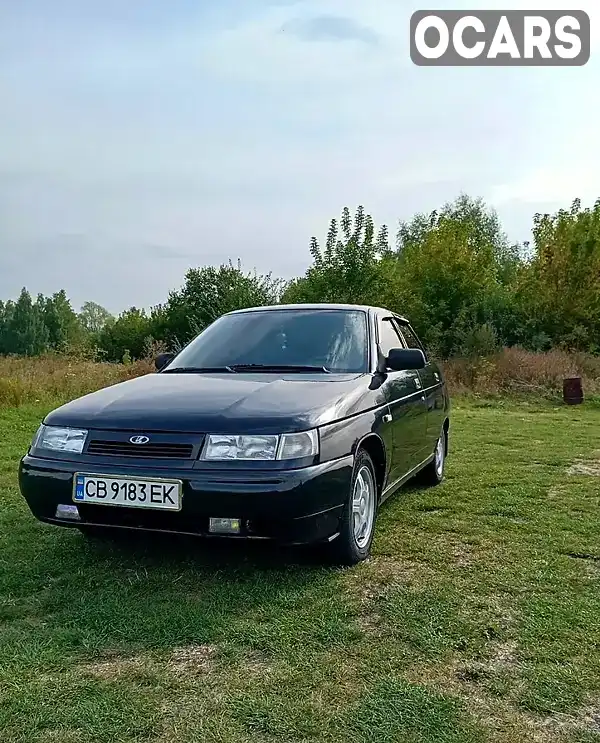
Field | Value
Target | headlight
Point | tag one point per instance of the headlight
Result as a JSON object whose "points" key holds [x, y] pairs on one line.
{"points": [[219, 448], [240, 447], [53, 438]]}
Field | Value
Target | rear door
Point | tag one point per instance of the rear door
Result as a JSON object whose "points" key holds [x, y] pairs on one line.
{"points": [[406, 404], [433, 388]]}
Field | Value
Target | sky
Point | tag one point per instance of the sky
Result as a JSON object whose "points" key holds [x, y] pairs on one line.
{"points": [[138, 139]]}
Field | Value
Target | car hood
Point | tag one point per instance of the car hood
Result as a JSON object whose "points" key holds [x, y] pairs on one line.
{"points": [[218, 403]]}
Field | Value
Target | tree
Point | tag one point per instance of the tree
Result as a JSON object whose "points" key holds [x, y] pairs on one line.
{"points": [[25, 331], [5, 315], [62, 322], [560, 290], [94, 317], [451, 274], [351, 268], [480, 227], [127, 336], [207, 294]]}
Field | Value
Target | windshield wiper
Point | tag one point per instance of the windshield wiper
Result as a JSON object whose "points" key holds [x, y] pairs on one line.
{"points": [[199, 370], [279, 368]]}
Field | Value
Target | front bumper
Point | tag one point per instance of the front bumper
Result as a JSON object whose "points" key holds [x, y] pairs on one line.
{"points": [[292, 506]]}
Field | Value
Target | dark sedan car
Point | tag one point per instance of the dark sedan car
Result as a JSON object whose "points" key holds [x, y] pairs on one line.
{"points": [[291, 423]]}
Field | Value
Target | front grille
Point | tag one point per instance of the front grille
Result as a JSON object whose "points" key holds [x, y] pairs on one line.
{"points": [[140, 451]]}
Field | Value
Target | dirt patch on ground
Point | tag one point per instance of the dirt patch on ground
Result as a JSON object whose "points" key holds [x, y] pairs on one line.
{"points": [[464, 555], [383, 570], [590, 569], [461, 678], [193, 659], [589, 467], [460, 675], [586, 720], [374, 579], [589, 717], [184, 661], [377, 575], [257, 665], [370, 623], [506, 614], [501, 662], [504, 657], [117, 667], [501, 717]]}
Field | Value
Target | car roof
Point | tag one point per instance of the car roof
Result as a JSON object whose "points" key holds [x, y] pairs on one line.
{"points": [[318, 306]]}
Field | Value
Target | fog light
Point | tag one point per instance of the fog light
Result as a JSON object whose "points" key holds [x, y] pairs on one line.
{"points": [[224, 526], [67, 511]]}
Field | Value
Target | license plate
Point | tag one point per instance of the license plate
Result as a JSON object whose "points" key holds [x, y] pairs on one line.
{"points": [[106, 490]]}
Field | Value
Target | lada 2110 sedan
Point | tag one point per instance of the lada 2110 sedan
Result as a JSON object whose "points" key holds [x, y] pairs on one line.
{"points": [[291, 423]]}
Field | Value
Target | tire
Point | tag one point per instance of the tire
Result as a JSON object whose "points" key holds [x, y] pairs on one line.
{"points": [[353, 544], [433, 474]]}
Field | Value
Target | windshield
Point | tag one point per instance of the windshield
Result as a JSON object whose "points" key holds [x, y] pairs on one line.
{"points": [[334, 339]]}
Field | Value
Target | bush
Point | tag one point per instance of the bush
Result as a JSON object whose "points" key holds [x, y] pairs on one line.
{"points": [[55, 378], [479, 341], [515, 370]]}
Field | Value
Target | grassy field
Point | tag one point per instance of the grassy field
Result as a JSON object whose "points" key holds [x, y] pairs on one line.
{"points": [[477, 618]]}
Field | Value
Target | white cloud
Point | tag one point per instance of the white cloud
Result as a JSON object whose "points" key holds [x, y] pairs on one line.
{"points": [[552, 185], [259, 51], [262, 51]]}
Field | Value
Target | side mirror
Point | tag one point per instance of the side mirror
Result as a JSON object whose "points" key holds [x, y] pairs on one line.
{"points": [[162, 360], [402, 359]]}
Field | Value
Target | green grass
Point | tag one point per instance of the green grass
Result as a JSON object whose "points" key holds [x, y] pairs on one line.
{"points": [[477, 618]]}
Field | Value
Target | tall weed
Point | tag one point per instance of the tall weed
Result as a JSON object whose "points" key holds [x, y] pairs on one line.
{"points": [[51, 378], [509, 371], [514, 370]]}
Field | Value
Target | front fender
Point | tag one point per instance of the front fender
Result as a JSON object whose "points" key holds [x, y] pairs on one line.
{"points": [[343, 437]]}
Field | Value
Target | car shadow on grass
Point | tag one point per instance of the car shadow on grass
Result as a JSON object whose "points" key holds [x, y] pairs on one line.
{"points": [[76, 597], [207, 552]]}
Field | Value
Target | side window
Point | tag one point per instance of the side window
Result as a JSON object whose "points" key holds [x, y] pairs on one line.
{"points": [[388, 337], [411, 339]]}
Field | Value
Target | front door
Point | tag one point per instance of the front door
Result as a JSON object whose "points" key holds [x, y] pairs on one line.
{"points": [[403, 393]]}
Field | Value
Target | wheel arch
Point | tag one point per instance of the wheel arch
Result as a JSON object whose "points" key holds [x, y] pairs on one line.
{"points": [[375, 448]]}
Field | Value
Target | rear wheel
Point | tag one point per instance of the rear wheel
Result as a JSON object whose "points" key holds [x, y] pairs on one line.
{"points": [[433, 474], [353, 544]]}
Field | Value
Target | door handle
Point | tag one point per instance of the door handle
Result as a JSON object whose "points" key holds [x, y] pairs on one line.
{"points": [[418, 383], [386, 418]]}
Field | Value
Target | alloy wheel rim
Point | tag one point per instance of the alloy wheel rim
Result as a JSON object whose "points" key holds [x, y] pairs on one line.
{"points": [[439, 456], [363, 506]]}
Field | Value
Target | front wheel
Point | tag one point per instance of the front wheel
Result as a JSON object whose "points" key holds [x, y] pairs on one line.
{"points": [[353, 544]]}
